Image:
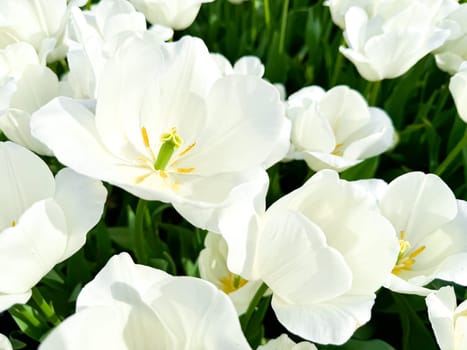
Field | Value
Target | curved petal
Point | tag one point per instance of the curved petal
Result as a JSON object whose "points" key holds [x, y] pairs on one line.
{"points": [[31, 249], [82, 201], [8, 300], [245, 116], [188, 306], [24, 180], [5, 343], [325, 323], [120, 280], [399, 285], [458, 89], [418, 204], [441, 306], [300, 273]]}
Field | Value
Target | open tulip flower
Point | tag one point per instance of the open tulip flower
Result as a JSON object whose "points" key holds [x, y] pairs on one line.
{"points": [[43, 220], [336, 129], [430, 225], [449, 321], [382, 44], [130, 306], [323, 272], [171, 127]]}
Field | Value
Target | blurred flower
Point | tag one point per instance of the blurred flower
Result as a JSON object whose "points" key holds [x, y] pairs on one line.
{"points": [[298, 243], [212, 264], [430, 225], [40, 23], [43, 220], [285, 343], [458, 89], [175, 14], [336, 129], [453, 53], [170, 127], [5, 343], [130, 306], [449, 321], [389, 41], [94, 36], [25, 86]]}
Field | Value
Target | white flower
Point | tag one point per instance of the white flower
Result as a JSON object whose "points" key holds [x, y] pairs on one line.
{"points": [[338, 8], [450, 56], [327, 227], [449, 321], [336, 129], [458, 89], [212, 264], [26, 85], [5, 343], [430, 225], [93, 38], [175, 14], [285, 343], [168, 126], [40, 23], [43, 220], [388, 42], [130, 306]]}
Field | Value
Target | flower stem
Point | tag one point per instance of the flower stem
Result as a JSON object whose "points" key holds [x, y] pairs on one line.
{"points": [[267, 14], [138, 237], [285, 9], [462, 144], [47, 309], [253, 304]]}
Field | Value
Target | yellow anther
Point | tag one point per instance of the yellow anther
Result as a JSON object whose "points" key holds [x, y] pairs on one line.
{"points": [[337, 151], [185, 170], [404, 260], [141, 178], [188, 149], [144, 134], [163, 174], [13, 223], [232, 282]]}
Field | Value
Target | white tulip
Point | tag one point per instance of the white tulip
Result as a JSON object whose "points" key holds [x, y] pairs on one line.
{"points": [[175, 14], [43, 221], [449, 321], [430, 225], [336, 129], [5, 343], [389, 41], [170, 127], [130, 306], [298, 244]]}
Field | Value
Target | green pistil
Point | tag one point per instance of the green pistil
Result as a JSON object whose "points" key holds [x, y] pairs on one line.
{"points": [[170, 141]]}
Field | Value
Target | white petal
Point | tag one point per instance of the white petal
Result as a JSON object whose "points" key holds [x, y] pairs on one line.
{"points": [[5, 343], [249, 65], [325, 323], [82, 201], [30, 250], [189, 306], [285, 343], [399, 285], [8, 300], [24, 179], [418, 204], [295, 261], [441, 306], [458, 88]]}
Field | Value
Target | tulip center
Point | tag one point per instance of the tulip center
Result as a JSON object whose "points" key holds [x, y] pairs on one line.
{"points": [[164, 162], [232, 282], [406, 257]]}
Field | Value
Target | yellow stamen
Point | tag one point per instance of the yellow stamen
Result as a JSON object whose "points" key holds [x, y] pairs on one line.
{"points": [[404, 261], [185, 170], [13, 223], [144, 134], [141, 178], [337, 151], [188, 149], [232, 282], [163, 174]]}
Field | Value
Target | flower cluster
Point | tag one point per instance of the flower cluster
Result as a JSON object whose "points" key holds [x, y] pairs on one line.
{"points": [[112, 91]]}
